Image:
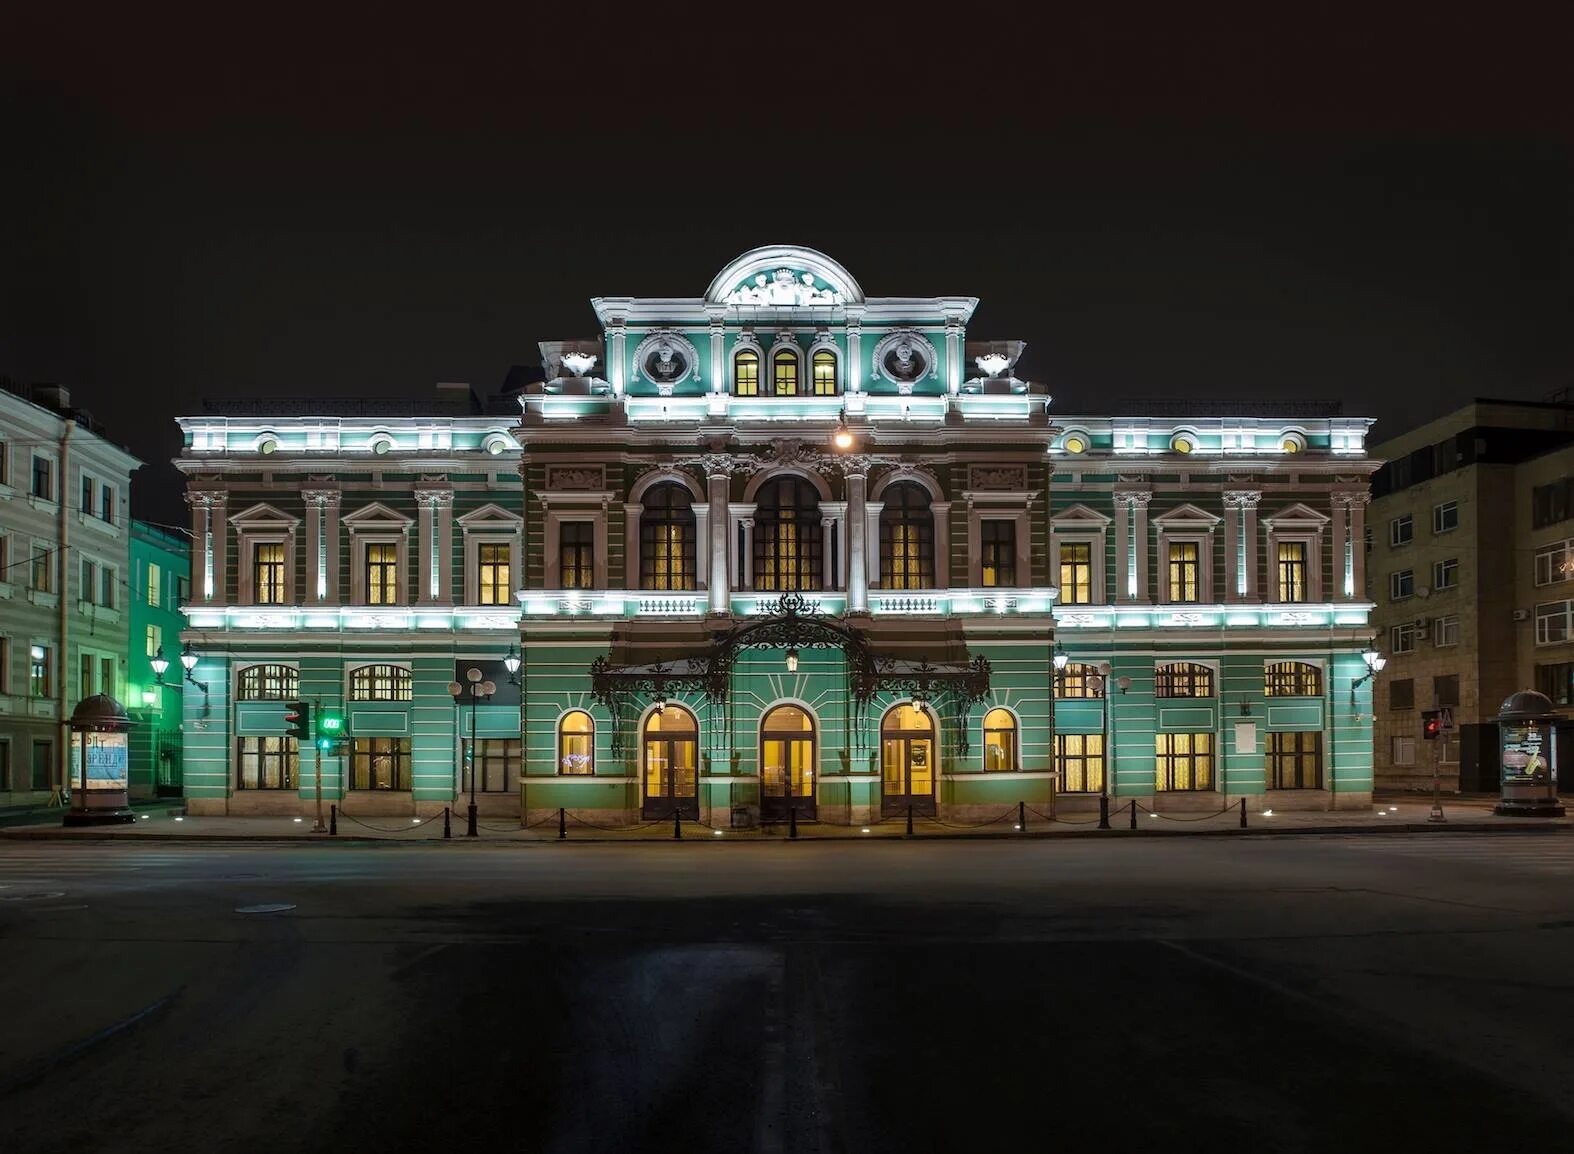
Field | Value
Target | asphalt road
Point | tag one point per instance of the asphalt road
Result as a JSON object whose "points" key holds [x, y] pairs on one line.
{"points": [[1301, 994]]}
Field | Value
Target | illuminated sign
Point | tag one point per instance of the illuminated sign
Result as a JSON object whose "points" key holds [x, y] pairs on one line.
{"points": [[108, 757]]}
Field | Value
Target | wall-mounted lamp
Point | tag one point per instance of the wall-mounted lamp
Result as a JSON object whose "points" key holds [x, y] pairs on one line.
{"points": [[792, 661], [159, 663], [188, 662], [511, 663], [1060, 658], [1374, 665]]}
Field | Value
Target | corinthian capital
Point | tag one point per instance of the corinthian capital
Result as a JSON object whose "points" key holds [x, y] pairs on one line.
{"points": [[1242, 499]]}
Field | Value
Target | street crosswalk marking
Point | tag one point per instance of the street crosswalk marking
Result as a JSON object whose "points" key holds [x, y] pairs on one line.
{"points": [[1535, 853]]}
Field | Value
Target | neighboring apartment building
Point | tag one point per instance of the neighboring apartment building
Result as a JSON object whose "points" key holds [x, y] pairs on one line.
{"points": [[64, 493], [1469, 566], [782, 548], [160, 584]]}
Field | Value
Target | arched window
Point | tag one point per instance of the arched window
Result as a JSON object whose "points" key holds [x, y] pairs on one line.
{"points": [[1292, 679], [380, 683], [576, 743], [1183, 679], [1000, 741], [824, 368], [268, 683], [666, 539], [787, 536], [784, 373], [907, 538], [1077, 681], [746, 373]]}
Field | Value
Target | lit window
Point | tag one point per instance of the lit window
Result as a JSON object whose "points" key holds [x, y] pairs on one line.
{"points": [[907, 538], [1295, 760], [1079, 759], [155, 639], [382, 573], [381, 683], [268, 763], [380, 763], [784, 373], [1292, 679], [788, 547], [1183, 562], [40, 670], [1183, 679], [666, 539], [1292, 571], [746, 374], [576, 743], [268, 683], [1000, 741], [824, 369], [1076, 573], [1078, 681], [155, 585], [492, 583], [1183, 761], [267, 572], [577, 555], [997, 553]]}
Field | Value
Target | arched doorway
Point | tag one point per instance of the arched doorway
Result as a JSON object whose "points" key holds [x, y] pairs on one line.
{"points": [[671, 753], [787, 763], [907, 761]]}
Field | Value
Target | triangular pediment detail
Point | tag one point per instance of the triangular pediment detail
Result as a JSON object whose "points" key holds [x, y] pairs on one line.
{"points": [[263, 515], [1187, 515], [1297, 514], [377, 514], [491, 514], [1079, 516]]}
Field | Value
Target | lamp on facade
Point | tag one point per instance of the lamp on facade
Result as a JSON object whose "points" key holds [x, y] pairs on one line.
{"points": [[1060, 658], [792, 661], [188, 662], [511, 663], [475, 688], [842, 438], [1374, 665], [159, 663]]}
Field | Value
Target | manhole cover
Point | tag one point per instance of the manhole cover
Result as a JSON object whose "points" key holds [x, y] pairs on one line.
{"points": [[38, 897], [265, 908]]}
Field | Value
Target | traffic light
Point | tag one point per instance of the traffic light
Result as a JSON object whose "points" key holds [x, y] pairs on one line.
{"points": [[298, 716], [1431, 724], [330, 729]]}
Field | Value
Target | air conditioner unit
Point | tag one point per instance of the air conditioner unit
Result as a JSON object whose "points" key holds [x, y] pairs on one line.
{"points": [[1423, 622], [1522, 615]]}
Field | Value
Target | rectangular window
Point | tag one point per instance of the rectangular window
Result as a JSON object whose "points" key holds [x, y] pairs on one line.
{"points": [[155, 585], [1184, 761], [380, 763], [382, 573], [108, 580], [1445, 517], [155, 639], [496, 767], [1079, 759], [106, 503], [824, 369], [1445, 689], [1076, 573], [1555, 563], [1445, 574], [86, 589], [1445, 631], [5, 557], [1401, 584], [577, 555], [1404, 750], [43, 571], [43, 764], [87, 494], [5, 664], [1552, 503], [1402, 694], [1402, 638], [5, 766], [106, 675], [182, 591], [1183, 565], [267, 573], [43, 478], [268, 763], [1557, 682], [1554, 622], [1295, 760], [40, 666], [86, 668], [1292, 571], [1401, 530], [998, 553], [492, 581]]}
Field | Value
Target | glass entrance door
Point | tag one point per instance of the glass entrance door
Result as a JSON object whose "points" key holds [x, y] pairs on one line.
{"points": [[671, 765], [787, 749], [907, 762]]}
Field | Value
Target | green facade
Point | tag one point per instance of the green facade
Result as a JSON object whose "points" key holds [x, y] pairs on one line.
{"points": [[650, 518], [159, 584]]}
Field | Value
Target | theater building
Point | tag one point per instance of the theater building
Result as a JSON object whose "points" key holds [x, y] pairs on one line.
{"points": [[778, 550]]}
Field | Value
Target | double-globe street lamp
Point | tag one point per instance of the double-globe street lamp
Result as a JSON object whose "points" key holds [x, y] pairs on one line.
{"points": [[476, 688]]}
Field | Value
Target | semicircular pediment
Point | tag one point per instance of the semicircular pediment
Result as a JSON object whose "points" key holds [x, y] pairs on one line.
{"points": [[784, 276]]}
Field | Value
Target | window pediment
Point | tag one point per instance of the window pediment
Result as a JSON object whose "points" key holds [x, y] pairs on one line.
{"points": [[1080, 517], [264, 516], [1187, 517], [377, 516], [491, 517], [1296, 516]]}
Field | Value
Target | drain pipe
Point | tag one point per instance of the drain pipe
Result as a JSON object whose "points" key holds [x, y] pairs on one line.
{"points": [[63, 603]]}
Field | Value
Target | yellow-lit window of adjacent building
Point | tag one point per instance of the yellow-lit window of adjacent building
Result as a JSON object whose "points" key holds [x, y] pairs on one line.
{"points": [[155, 585], [1079, 759], [268, 573], [1076, 573], [1184, 571], [382, 573], [492, 573], [1292, 570]]}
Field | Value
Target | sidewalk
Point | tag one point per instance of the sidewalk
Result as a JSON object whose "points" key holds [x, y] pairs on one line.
{"points": [[1464, 815]]}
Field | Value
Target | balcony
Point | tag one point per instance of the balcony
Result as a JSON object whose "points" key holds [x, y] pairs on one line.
{"points": [[1259, 616]]}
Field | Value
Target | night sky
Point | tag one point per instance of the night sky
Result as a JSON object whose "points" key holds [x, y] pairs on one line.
{"points": [[1205, 210]]}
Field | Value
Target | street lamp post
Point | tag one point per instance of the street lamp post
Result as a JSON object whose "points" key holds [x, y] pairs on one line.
{"points": [[1105, 669], [477, 689]]}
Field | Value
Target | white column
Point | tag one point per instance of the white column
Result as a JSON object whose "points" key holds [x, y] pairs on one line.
{"points": [[746, 559], [718, 473], [1341, 509], [1249, 536], [443, 511], [854, 360], [313, 590], [425, 584], [1232, 547], [953, 355], [827, 529], [218, 526], [631, 515], [1123, 581], [1358, 503], [330, 512], [857, 529], [718, 379], [1139, 507], [942, 515], [200, 590], [615, 369]]}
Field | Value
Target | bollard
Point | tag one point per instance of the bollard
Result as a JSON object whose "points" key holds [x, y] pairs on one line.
{"points": [[1133, 808], [1243, 813], [909, 820], [1103, 811], [1022, 816], [562, 824], [448, 830], [792, 821], [677, 825], [333, 819]]}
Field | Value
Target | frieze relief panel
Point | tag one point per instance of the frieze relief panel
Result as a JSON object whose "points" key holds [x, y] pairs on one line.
{"points": [[584, 478], [1007, 478]]}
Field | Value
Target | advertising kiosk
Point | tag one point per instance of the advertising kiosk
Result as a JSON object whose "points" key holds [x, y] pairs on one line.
{"points": [[100, 757], [1527, 756]]}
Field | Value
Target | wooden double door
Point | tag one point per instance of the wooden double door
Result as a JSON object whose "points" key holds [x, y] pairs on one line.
{"points": [[671, 765], [908, 762], [788, 751]]}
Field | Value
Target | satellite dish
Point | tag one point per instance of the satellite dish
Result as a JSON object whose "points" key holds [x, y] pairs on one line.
{"points": [[1423, 591]]}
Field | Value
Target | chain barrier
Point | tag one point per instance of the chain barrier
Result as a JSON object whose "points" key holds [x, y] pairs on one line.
{"points": [[1171, 817], [383, 829], [616, 828], [972, 824], [1062, 820]]}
